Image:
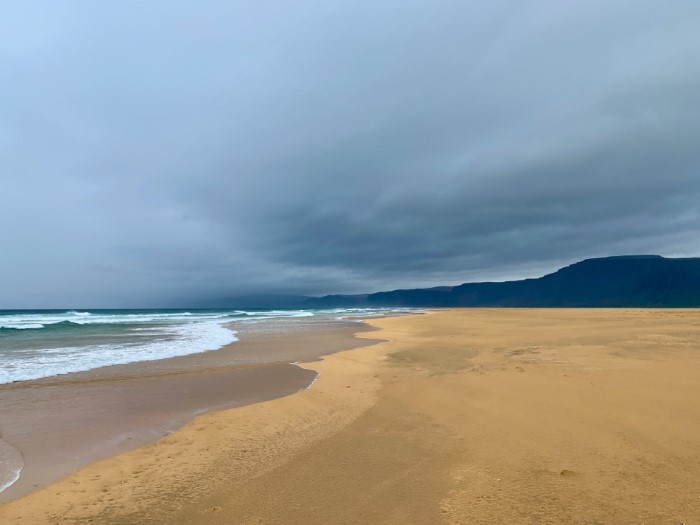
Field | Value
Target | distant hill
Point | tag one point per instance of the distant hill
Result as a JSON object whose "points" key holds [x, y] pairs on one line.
{"points": [[623, 281]]}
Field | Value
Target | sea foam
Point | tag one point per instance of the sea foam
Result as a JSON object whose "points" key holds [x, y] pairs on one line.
{"points": [[184, 339], [11, 464]]}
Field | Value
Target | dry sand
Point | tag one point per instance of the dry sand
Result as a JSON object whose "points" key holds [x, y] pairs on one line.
{"points": [[465, 416]]}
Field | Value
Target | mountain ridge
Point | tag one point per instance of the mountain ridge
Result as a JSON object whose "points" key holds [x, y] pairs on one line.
{"points": [[615, 281]]}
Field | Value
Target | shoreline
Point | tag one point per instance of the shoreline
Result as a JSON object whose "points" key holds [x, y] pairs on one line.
{"points": [[457, 416], [149, 399]]}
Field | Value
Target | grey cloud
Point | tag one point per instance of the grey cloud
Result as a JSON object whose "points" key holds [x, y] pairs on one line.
{"points": [[155, 153]]}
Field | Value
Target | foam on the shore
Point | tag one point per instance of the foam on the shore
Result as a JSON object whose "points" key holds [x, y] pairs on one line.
{"points": [[36, 344], [174, 340], [318, 374], [11, 464]]}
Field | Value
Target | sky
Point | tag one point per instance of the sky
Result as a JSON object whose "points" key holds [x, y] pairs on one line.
{"points": [[159, 153]]}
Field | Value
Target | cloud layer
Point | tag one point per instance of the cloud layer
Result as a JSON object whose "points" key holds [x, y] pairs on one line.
{"points": [[156, 153]]}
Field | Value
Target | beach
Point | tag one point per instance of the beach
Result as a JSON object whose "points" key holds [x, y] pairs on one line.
{"points": [[57, 424], [457, 416]]}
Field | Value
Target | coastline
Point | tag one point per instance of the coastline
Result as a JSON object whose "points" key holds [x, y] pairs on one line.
{"points": [[53, 426], [459, 416]]}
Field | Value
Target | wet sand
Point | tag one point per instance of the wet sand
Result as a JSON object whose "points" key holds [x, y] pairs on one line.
{"points": [[59, 424], [465, 416]]}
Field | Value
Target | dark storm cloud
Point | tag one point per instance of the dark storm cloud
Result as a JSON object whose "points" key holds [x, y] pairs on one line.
{"points": [[150, 152]]}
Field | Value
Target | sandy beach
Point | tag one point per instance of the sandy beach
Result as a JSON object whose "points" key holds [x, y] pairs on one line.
{"points": [[58, 424], [461, 416]]}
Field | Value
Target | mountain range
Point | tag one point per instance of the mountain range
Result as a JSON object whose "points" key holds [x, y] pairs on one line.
{"points": [[620, 281]]}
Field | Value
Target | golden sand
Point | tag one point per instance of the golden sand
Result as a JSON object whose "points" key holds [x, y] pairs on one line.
{"points": [[464, 416]]}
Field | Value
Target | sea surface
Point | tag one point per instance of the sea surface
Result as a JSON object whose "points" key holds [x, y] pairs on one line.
{"points": [[36, 344]]}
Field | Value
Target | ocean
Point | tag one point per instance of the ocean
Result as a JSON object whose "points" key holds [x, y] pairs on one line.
{"points": [[36, 344]]}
